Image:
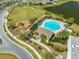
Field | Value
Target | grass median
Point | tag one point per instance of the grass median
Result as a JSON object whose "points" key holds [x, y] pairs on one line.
{"points": [[8, 55]]}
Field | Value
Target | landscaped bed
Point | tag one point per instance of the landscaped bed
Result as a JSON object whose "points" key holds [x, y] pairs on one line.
{"points": [[43, 52]]}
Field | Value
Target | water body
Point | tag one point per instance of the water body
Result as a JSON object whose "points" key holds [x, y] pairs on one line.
{"points": [[68, 9]]}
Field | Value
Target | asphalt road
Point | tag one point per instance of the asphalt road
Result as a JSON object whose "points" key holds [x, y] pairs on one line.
{"points": [[9, 46], [74, 47]]}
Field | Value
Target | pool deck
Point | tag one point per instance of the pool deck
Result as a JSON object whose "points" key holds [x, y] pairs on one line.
{"points": [[41, 30], [46, 32], [55, 32]]}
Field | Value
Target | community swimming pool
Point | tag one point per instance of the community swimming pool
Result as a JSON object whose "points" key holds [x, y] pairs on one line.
{"points": [[52, 26]]}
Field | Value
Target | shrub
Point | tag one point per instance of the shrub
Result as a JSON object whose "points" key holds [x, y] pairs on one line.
{"points": [[61, 37]]}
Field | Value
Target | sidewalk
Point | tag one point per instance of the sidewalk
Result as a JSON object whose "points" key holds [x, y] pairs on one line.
{"points": [[47, 48]]}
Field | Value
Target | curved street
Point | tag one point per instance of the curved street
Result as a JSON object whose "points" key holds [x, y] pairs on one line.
{"points": [[9, 46]]}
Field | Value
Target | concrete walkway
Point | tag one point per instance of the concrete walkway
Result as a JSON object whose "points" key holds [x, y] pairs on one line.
{"points": [[41, 44]]}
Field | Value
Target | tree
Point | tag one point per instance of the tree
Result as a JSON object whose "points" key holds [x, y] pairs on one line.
{"points": [[32, 20], [61, 37], [41, 4], [71, 20], [49, 55], [30, 3], [63, 34], [24, 36], [48, 15], [43, 37]]}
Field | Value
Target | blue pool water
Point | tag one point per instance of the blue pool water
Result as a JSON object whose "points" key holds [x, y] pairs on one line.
{"points": [[52, 26]]}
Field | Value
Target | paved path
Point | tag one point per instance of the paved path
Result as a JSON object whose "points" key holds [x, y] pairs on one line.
{"points": [[9, 46], [69, 48], [44, 46]]}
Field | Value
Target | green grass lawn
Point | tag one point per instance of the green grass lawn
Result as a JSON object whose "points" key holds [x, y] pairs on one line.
{"points": [[20, 13], [75, 27], [7, 56]]}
